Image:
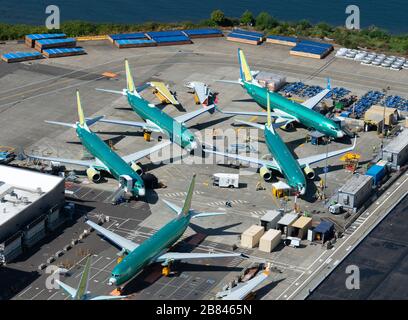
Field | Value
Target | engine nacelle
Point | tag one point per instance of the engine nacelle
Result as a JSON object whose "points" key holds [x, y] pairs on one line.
{"points": [[309, 172], [265, 173], [138, 169], [93, 175]]}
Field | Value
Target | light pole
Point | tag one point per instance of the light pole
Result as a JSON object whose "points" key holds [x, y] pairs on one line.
{"points": [[385, 91], [325, 167]]}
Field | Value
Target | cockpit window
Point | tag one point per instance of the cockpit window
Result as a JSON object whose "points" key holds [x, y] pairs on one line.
{"points": [[191, 139]]}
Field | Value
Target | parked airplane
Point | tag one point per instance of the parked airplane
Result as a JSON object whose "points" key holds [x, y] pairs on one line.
{"points": [[124, 169], [202, 93], [163, 93], [244, 289], [156, 119], [283, 161], [154, 249], [82, 293], [284, 108]]}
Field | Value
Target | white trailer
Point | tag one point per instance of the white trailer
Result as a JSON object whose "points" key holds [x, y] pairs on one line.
{"points": [[226, 180]]}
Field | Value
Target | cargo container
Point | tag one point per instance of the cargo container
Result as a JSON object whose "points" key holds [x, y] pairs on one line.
{"points": [[21, 56], [160, 34], [63, 52], [243, 38], [31, 38], [203, 33], [127, 36], [40, 45], [282, 40], [173, 40], [274, 82], [396, 152], [254, 34], [250, 237], [377, 172], [311, 49], [323, 232], [270, 240], [134, 43], [355, 191]]}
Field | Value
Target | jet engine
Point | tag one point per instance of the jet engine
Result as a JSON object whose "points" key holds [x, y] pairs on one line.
{"points": [[138, 169], [265, 173], [93, 175], [309, 172]]}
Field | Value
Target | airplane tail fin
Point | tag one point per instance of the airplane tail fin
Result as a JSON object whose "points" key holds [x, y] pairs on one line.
{"points": [[129, 78], [83, 283], [187, 202], [245, 72], [80, 111]]}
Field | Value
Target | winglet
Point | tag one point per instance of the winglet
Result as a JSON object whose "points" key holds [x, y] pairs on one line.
{"points": [[187, 203], [129, 78], [80, 111], [245, 72]]}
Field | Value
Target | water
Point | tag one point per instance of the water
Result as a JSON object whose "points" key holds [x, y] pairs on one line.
{"points": [[390, 14]]}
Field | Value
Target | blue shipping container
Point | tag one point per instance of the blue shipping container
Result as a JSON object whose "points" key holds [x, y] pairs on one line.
{"points": [[377, 172]]}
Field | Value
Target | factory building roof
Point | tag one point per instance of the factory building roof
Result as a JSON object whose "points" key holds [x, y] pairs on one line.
{"points": [[398, 143], [354, 184], [19, 188], [288, 219]]}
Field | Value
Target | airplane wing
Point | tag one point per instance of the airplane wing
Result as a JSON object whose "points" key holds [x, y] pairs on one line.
{"points": [[278, 115], [188, 116], [312, 102], [116, 239], [83, 163], [261, 163], [201, 90], [164, 91], [68, 289], [188, 256], [108, 297], [319, 157], [143, 153], [275, 125], [143, 125], [240, 292]]}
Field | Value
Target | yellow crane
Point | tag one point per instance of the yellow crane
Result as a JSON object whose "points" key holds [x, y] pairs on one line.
{"points": [[351, 161]]}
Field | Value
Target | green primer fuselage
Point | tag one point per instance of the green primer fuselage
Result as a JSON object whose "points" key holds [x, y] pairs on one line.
{"points": [[150, 249], [176, 131], [116, 165], [284, 158], [308, 117]]}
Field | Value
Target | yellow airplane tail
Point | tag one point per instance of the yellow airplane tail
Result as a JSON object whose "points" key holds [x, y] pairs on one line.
{"points": [[80, 111], [129, 78], [244, 68], [268, 104]]}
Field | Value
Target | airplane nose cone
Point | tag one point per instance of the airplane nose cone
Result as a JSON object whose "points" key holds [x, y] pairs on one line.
{"points": [[340, 134], [142, 192], [111, 281]]}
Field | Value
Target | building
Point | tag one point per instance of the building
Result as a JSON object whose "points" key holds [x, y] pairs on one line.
{"points": [[377, 114], [396, 152], [300, 227], [323, 232], [285, 223], [355, 192], [30, 206], [250, 237], [270, 219], [270, 240]]}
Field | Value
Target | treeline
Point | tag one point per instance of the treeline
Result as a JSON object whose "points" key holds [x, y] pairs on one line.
{"points": [[371, 38]]}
